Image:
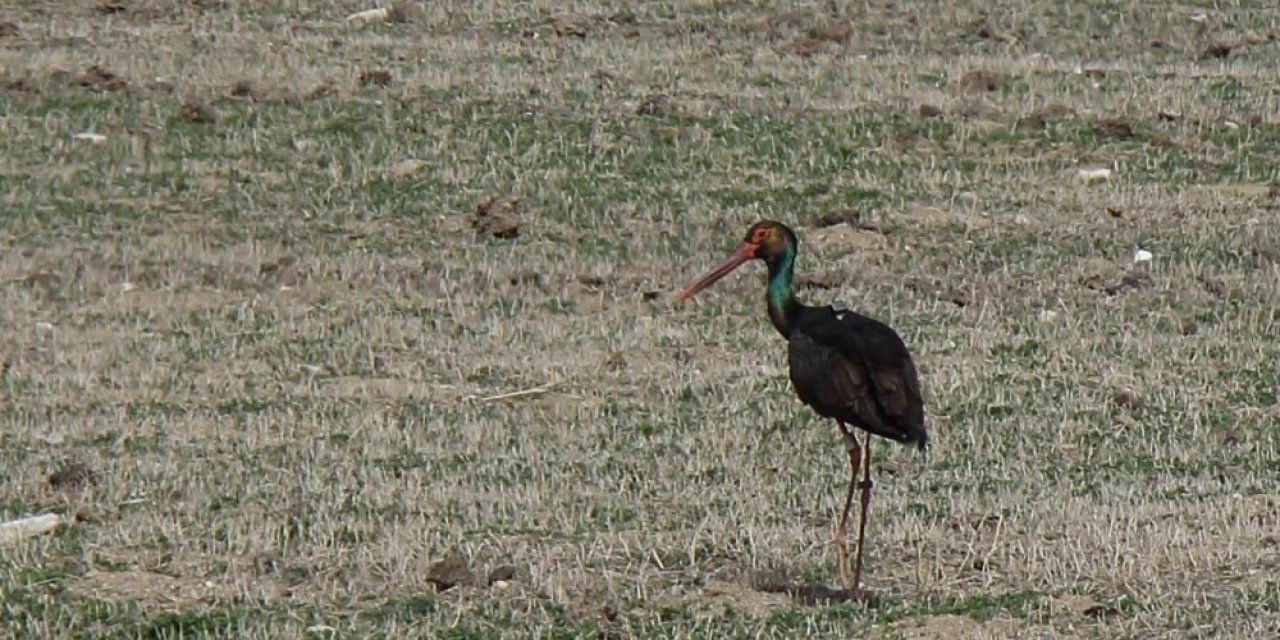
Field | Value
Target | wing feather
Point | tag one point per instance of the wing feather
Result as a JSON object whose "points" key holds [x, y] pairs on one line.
{"points": [[852, 368]]}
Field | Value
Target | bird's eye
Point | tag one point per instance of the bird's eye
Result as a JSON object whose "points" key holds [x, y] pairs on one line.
{"points": [[761, 234]]}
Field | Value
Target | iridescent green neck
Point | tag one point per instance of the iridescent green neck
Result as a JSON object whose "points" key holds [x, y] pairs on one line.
{"points": [[781, 297]]}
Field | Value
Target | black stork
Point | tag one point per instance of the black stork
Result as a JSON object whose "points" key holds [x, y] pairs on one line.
{"points": [[845, 366]]}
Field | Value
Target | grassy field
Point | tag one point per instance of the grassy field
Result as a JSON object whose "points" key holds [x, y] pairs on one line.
{"points": [[346, 329]]}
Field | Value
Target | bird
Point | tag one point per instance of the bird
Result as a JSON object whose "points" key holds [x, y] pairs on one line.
{"points": [[845, 366]]}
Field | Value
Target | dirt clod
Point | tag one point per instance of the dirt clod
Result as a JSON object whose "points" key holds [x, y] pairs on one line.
{"points": [[497, 217], [1127, 398], [159, 86], [984, 30], [108, 7], [1218, 50], [100, 80], [770, 580], [525, 277], [1119, 128], [405, 11], [571, 25], [451, 572], [1041, 118], [592, 281], [1229, 436], [605, 79], [1106, 277], [198, 112], [1216, 287], [657, 104], [322, 89], [979, 82], [277, 266], [73, 475], [405, 169], [615, 362], [821, 39], [41, 278], [255, 90], [930, 111], [852, 217], [375, 78], [19, 85]]}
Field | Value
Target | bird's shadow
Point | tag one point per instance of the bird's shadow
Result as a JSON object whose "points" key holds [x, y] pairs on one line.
{"points": [[807, 593]]}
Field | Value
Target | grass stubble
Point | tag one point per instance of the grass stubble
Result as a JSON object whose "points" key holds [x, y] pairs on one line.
{"points": [[265, 339]]}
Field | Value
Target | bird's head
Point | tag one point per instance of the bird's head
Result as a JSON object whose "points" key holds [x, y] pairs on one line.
{"points": [[766, 240]]}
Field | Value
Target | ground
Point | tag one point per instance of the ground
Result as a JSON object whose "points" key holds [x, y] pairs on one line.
{"points": [[324, 328]]}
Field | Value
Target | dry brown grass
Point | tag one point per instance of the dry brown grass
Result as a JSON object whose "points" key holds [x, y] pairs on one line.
{"points": [[321, 383]]}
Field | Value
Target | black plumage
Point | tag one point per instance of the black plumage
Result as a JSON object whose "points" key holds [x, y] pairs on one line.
{"points": [[856, 369], [845, 366]]}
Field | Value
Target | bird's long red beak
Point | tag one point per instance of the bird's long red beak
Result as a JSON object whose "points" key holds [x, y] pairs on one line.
{"points": [[745, 253]]}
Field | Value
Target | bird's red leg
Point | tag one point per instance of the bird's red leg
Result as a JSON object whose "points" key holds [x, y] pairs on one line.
{"points": [[862, 523], [842, 532]]}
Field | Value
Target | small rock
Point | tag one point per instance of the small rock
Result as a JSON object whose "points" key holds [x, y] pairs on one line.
{"points": [[89, 136], [1094, 174], [370, 15], [502, 574]]}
